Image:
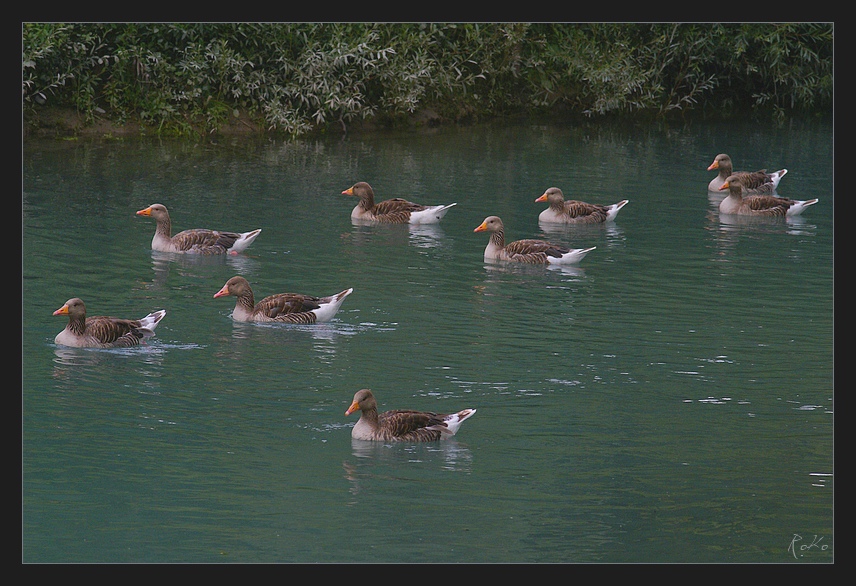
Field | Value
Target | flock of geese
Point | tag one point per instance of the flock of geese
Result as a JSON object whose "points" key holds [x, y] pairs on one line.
{"points": [[752, 193], [748, 193]]}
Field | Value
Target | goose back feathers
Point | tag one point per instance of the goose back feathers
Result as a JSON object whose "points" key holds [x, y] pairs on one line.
{"points": [[402, 425], [392, 211], [196, 240], [527, 251], [571, 211], [103, 331], [292, 308]]}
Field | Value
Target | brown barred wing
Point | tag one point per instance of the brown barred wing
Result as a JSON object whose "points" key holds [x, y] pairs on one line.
{"points": [[395, 210], [408, 425], [115, 331], [539, 249], [755, 179], [584, 212], [768, 205], [289, 307], [203, 241]]}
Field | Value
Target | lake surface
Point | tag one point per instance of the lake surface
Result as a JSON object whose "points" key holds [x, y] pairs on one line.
{"points": [[669, 400]]}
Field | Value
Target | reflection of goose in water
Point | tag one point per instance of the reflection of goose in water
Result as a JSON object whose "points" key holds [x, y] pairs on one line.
{"points": [[197, 265], [742, 223], [568, 270], [419, 235], [373, 459], [426, 235], [324, 335], [496, 268], [609, 234], [69, 363], [452, 453], [580, 230], [70, 356], [730, 228]]}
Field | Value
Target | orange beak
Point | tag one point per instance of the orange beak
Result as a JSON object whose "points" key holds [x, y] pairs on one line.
{"points": [[222, 292], [145, 212], [349, 191], [62, 310], [724, 186], [354, 406], [713, 165], [481, 227], [542, 198]]}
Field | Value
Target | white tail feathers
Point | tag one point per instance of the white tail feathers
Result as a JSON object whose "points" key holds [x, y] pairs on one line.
{"points": [[150, 322], [244, 241], [330, 305], [454, 421], [614, 208], [800, 206], [571, 257], [777, 176], [432, 215]]}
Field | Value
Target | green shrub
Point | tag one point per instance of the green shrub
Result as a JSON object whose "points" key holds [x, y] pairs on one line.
{"points": [[296, 78]]}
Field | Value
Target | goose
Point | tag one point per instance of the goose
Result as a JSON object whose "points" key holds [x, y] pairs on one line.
{"points": [[755, 182], [402, 425], [758, 205], [575, 212], [194, 241], [102, 331], [528, 251], [392, 211], [292, 308]]}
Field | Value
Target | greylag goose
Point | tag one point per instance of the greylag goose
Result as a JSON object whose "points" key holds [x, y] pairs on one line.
{"points": [[528, 251], [291, 308], [195, 240], [102, 331], [392, 211], [758, 205], [575, 212], [402, 425], [755, 182]]}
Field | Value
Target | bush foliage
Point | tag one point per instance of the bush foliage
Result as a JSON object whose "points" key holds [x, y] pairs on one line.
{"points": [[296, 78]]}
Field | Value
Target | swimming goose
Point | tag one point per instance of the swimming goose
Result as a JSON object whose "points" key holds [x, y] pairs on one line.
{"points": [[575, 212], [194, 241], [402, 425], [102, 331], [392, 211], [755, 182], [528, 251], [758, 205], [291, 308]]}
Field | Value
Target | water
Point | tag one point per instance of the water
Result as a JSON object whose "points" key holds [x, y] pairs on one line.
{"points": [[669, 400]]}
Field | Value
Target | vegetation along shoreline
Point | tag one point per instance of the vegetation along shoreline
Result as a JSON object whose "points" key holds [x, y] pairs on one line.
{"points": [[298, 79]]}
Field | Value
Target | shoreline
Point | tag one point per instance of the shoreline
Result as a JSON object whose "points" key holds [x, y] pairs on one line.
{"points": [[66, 123]]}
